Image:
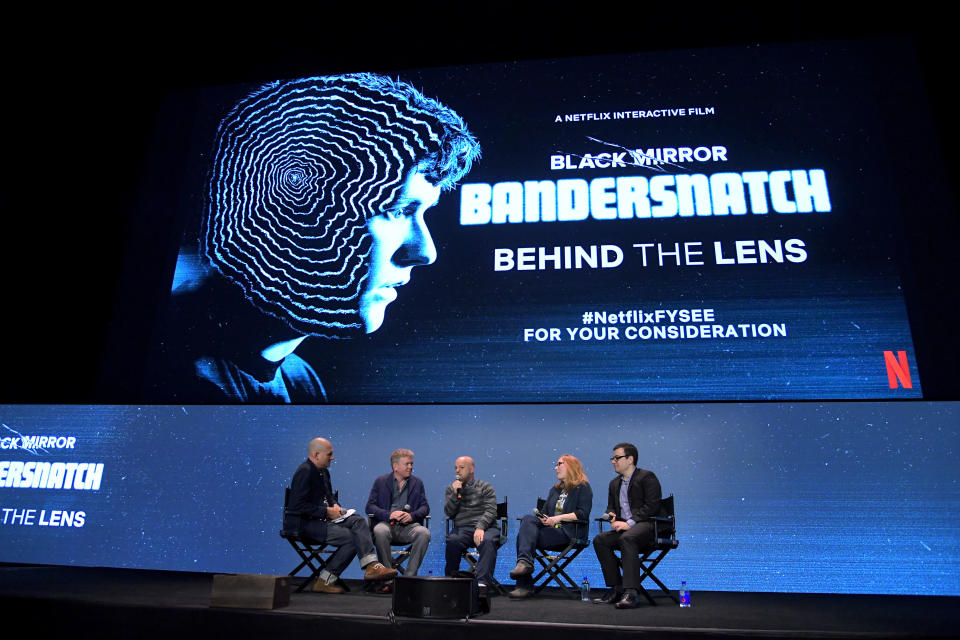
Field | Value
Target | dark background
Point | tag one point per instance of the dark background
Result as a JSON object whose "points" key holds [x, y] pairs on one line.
{"points": [[82, 93]]}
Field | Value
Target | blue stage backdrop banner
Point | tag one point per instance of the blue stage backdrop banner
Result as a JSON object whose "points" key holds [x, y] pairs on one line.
{"points": [[707, 225], [838, 497]]}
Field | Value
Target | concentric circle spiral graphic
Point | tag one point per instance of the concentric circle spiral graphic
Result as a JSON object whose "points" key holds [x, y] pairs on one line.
{"points": [[300, 166]]}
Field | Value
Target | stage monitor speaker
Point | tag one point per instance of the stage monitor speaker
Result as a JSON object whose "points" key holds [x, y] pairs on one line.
{"points": [[250, 591], [429, 597]]}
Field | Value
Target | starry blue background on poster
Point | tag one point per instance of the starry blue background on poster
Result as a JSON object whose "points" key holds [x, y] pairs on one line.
{"points": [[845, 497]]}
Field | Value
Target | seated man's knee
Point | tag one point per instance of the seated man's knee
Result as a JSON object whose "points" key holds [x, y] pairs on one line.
{"points": [[602, 540], [636, 546], [355, 520], [422, 532], [453, 550], [636, 543], [491, 538], [381, 531]]}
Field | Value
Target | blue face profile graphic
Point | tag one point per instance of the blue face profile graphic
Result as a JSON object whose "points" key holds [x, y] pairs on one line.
{"points": [[317, 195]]}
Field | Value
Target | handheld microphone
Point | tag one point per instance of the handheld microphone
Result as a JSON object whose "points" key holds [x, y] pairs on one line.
{"points": [[459, 489], [539, 514], [406, 508], [606, 517]]}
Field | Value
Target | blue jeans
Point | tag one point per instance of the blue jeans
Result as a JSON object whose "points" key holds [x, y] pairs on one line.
{"points": [[461, 538], [350, 537], [533, 535]]}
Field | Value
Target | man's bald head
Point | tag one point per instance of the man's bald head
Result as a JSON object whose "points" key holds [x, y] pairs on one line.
{"points": [[320, 452], [317, 444], [463, 467]]}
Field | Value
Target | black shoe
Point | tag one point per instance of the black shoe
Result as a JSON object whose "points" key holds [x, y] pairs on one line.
{"points": [[628, 601], [610, 597]]}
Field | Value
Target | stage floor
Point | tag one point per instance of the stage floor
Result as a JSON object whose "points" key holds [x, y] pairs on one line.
{"points": [[119, 602]]}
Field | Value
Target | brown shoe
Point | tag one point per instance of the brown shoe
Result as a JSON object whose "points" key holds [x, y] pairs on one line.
{"points": [[322, 587], [376, 572], [522, 569]]}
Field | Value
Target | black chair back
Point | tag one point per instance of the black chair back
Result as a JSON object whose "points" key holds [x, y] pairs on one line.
{"points": [[665, 524], [293, 520]]}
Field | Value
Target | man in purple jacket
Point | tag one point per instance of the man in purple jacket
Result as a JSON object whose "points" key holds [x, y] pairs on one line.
{"points": [[398, 505]]}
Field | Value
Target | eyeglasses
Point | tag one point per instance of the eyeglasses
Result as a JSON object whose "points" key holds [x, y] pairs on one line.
{"points": [[615, 458]]}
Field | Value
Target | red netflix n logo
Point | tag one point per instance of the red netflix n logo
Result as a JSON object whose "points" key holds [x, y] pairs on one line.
{"points": [[898, 369]]}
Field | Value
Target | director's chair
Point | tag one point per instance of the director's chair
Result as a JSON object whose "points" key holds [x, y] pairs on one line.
{"points": [[398, 555], [473, 557], [555, 561], [664, 541], [314, 554]]}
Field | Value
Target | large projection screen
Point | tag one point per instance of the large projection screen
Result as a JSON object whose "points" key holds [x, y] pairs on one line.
{"points": [[655, 227]]}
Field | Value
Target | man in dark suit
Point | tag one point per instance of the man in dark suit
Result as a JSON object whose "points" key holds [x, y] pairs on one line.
{"points": [[398, 505], [633, 497], [313, 510]]}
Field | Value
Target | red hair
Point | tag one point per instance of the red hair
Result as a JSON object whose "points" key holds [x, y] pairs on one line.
{"points": [[575, 474]]}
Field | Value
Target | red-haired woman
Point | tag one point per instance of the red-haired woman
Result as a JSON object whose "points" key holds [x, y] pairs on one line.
{"points": [[569, 501]]}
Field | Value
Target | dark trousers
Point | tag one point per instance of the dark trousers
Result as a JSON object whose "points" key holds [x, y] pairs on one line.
{"points": [[460, 539], [631, 544], [533, 535]]}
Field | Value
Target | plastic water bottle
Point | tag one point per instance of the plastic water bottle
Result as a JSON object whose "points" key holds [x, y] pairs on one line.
{"points": [[585, 590], [684, 594]]}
